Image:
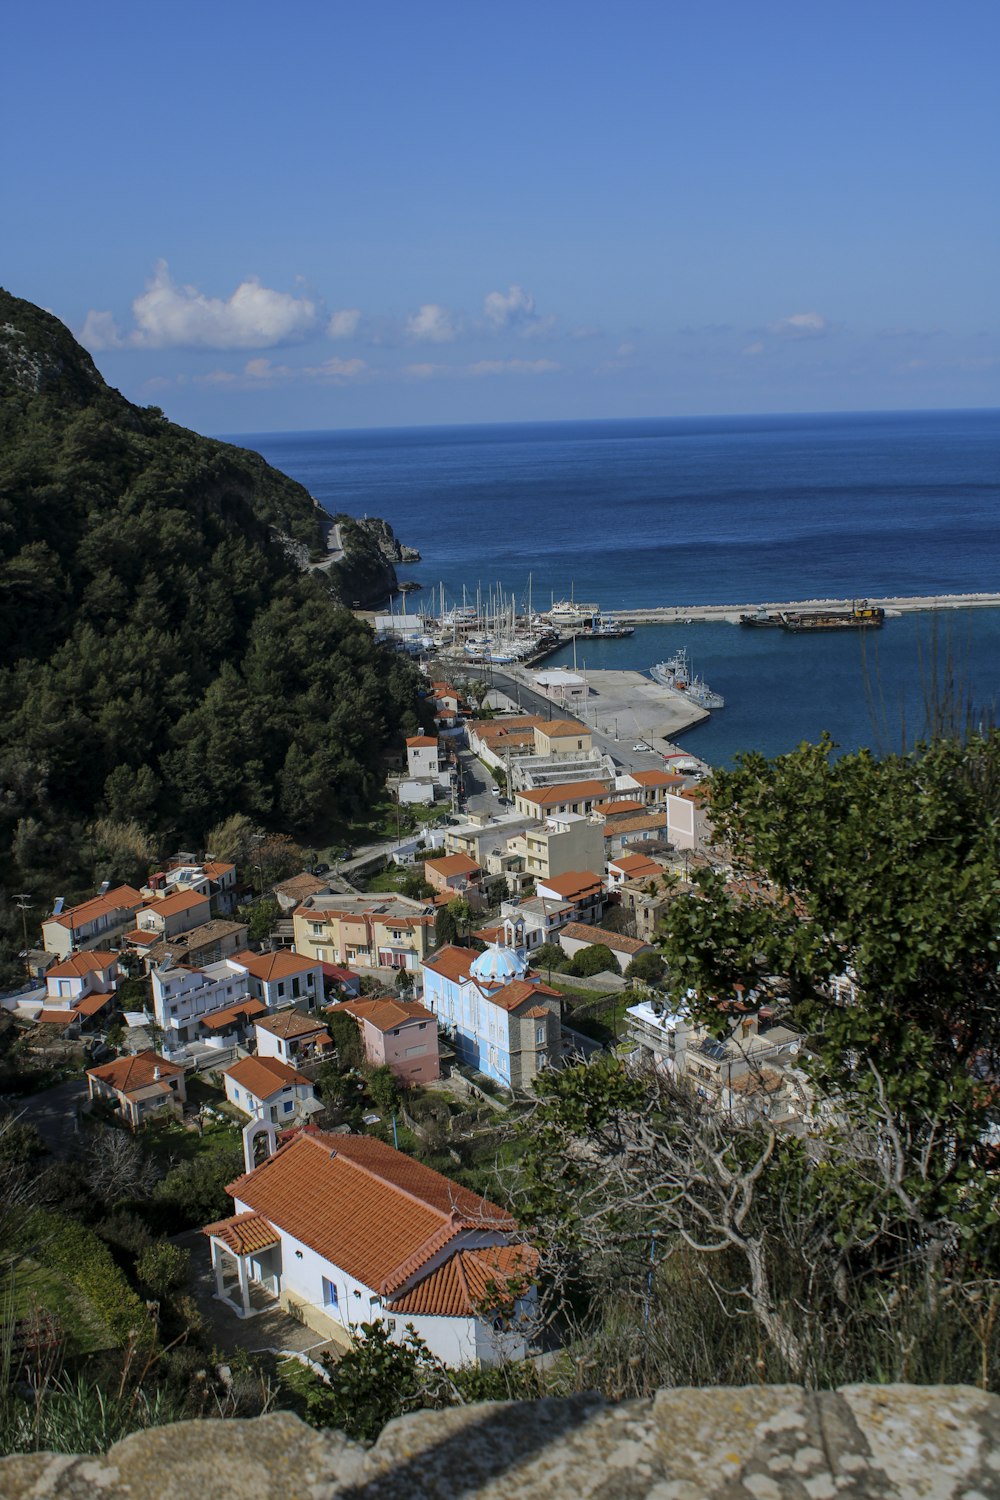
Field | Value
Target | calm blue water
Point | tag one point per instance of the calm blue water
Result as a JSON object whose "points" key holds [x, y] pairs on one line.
{"points": [[714, 510]]}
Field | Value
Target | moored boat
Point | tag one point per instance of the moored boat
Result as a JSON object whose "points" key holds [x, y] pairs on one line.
{"points": [[675, 673]]}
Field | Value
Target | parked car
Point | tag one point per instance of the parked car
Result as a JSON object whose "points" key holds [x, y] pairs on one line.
{"points": [[321, 869]]}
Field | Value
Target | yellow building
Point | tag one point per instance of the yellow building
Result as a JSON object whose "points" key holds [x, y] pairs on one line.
{"points": [[368, 931]]}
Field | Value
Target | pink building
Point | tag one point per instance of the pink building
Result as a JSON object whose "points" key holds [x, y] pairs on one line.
{"points": [[399, 1034], [452, 873]]}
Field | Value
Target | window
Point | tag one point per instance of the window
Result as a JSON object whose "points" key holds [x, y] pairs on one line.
{"points": [[295, 989], [330, 1298], [288, 1106], [317, 929], [310, 981], [540, 1036], [281, 990]]}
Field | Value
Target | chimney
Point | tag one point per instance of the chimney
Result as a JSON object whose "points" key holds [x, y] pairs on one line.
{"points": [[156, 1073]]}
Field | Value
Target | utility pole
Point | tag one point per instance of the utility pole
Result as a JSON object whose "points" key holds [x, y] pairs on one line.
{"points": [[23, 900]]}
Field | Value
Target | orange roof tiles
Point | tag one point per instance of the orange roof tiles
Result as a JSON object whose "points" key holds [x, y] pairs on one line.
{"points": [[89, 1005], [244, 1234], [637, 866], [219, 1020], [453, 864], [560, 728], [216, 868], [178, 902], [375, 1213], [421, 741], [268, 966], [128, 1074], [123, 897], [573, 791], [616, 941], [452, 962], [386, 1013], [291, 1023], [55, 1017], [573, 883], [656, 778], [79, 964], [263, 1076], [634, 824], [471, 1283]]}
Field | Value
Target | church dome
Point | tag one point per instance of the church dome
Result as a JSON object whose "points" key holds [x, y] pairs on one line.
{"points": [[498, 965]]}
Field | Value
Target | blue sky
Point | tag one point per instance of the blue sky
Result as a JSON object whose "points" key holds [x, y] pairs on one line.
{"points": [[329, 215]]}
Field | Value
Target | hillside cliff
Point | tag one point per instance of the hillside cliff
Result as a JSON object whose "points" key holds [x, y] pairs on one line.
{"points": [[169, 651]]}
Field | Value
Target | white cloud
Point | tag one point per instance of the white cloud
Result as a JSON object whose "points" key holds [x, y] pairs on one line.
{"points": [[515, 309], [423, 371], [100, 331], [501, 309], [431, 324], [512, 367], [261, 371], [757, 347], [343, 324], [801, 325], [170, 316]]}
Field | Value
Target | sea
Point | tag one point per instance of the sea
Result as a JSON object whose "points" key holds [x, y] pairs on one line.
{"points": [[707, 511]]}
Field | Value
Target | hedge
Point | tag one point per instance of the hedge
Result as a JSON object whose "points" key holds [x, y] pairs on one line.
{"points": [[67, 1246]]}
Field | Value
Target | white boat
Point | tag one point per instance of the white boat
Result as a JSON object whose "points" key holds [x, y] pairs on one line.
{"points": [[569, 612]]}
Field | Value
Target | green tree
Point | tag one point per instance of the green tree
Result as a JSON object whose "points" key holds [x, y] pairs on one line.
{"points": [[445, 926], [649, 967], [595, 959], [548, 956], [260, 918], [346, 1035], [383, 1087], [163, 1267], [380, 1378], [868, 911]]}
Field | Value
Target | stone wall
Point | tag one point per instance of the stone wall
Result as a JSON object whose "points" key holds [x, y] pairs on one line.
{"points": [[758, 1442]]}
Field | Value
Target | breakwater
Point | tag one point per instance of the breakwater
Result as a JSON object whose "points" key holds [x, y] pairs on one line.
{"points": [[900, 604]]}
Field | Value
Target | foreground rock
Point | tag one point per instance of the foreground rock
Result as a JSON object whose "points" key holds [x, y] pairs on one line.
{"points": [[760, 1442]]}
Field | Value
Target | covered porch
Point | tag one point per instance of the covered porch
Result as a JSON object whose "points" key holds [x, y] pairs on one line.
{"points": [[246, 1263]]}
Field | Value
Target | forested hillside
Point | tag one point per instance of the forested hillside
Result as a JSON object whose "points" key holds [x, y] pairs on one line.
{"points": [[163, 656]]}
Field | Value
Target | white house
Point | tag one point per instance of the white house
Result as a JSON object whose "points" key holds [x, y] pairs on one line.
{"points": [[178, 912], [80, 987], [496, 1011], [345, 1230], [91, 922], [283, 978], [209, 1002], [266, 1089], [292, 1037], [422, 756]]}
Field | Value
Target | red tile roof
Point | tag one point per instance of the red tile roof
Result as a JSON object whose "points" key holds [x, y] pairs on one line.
{"points": [[377, 1214], [453, 864], [452, 962], [471, 1283], [656, 778], [219, 1020], [420, 741], [616, 941], [263, 1076], [573, 883], [79, 964], [123, 897], [268, 966], [636, 866], [386, 1013], [560, 728], [179, 901], [573, 791], [89, 1005], [244, 1234], [129, 1074], [291, 1023]]}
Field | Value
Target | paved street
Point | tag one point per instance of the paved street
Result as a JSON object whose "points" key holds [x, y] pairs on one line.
{"points": [[53, 1113]]}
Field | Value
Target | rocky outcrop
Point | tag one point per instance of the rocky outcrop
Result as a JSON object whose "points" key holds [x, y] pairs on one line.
{"points": [[752, 1443], [391, 548]]}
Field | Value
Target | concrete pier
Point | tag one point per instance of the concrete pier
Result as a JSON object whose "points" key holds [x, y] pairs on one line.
{"points": [[899, 604]]}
